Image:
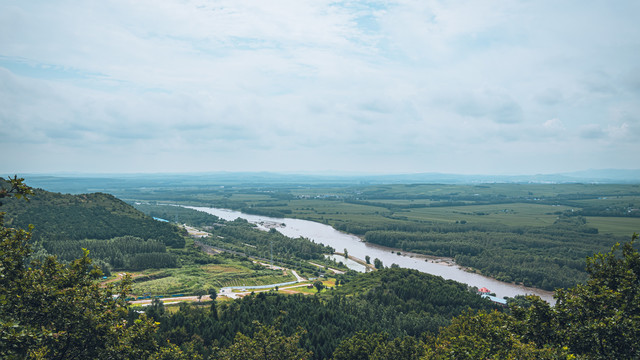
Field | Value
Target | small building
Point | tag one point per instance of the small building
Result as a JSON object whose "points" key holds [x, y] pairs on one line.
{"points": [[484, 291], [496, 300]]}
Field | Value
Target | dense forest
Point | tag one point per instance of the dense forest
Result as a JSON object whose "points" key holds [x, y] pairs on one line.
{"points": [[550, 257], [177, 214], [58, 216], [126, 252], [117, 235], [398, 302]]}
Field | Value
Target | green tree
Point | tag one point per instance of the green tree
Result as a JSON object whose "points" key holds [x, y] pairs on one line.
{"points": [[50, 310], [358, 347], [405, 348], [14, 187], [377, 263], [200, 293], [318, 285], [366, 346], [267, 343], [367, 259], [486, 336], [596, 320], [601, 319], [61, 312], [156, 310], [173, 352], [213, 294]]}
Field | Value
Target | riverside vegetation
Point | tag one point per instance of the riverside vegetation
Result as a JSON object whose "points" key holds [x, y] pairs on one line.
{"points": [[158, 254], [49, 309], [534, 234]]}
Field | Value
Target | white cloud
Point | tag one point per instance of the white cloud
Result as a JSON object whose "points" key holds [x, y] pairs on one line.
{"points": [[553, 125], [374, 86]]}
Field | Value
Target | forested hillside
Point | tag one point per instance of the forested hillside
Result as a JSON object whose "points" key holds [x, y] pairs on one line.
{"points": [[177, 214], [244, 238], [117, 235], [58, 216]]}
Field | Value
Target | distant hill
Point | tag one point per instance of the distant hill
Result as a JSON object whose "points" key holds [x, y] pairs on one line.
{"points": [[145, 183], [62, 217], [606, 175]]}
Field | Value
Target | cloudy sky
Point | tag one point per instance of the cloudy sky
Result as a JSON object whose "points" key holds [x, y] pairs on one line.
{"points": [[469, 87]]}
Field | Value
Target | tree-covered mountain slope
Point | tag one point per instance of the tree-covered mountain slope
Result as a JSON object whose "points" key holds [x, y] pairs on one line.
{"points": [[62, 217], [117, 235]]}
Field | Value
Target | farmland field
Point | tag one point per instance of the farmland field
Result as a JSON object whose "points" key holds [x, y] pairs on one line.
{"points": [[619, 226], [191, 278]]}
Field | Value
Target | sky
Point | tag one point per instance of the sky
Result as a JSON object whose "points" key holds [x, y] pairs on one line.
{"points": [[375, 87]]}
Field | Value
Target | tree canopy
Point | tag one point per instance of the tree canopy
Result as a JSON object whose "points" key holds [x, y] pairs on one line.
{"points": [[49, 310]]}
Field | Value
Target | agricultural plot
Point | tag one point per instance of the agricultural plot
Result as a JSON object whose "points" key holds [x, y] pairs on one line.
{"points": [[515, 214], [188, 280], [617, 226]]}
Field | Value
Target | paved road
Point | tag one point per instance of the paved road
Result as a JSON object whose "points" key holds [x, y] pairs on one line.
{"points": [[169, 300], [335, 271], [298, 277]]}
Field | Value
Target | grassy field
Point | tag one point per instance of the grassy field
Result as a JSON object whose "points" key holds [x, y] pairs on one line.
{"points": [[513, 214], [328, 283], [615, 225], [516, 214], [188, 279]]}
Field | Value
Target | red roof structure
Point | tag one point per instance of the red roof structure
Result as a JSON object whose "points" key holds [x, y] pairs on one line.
{"points": [[484, 290]]}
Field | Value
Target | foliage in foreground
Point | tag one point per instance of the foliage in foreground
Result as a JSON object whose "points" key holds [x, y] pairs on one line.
{"points": [[597, 320], [53, 311]]}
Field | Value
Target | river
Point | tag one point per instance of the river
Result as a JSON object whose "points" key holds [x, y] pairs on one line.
{"points": [[325, 234]]}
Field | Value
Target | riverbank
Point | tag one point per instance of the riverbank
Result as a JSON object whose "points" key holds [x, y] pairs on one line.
{"points": [[366, 265], [327, 235]]}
